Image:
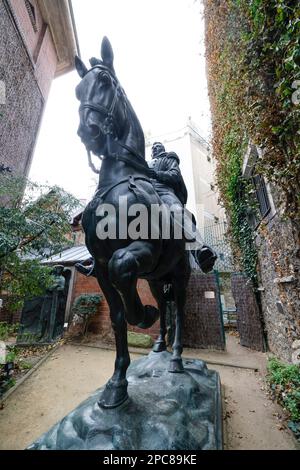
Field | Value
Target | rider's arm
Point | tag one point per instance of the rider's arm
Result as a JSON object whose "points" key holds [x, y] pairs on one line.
{"points": [[171, 174]]}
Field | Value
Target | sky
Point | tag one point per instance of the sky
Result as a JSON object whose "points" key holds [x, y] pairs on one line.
{"points": [[159, 59]]}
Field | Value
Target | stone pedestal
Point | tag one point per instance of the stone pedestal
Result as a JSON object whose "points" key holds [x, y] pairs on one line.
{"points": [[165, 411]]}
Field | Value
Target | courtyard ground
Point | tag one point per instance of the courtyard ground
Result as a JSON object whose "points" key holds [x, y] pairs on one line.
{"points": [[72, 372]]}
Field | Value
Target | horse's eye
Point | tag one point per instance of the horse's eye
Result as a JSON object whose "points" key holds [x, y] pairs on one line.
{"points": [[104, 78]]}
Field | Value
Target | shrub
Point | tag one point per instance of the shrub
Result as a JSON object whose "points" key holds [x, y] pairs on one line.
{"points": [[284, 380], [7, 330], [84, 307]]}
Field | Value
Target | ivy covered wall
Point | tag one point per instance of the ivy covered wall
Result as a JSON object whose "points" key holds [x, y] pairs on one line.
{"points": [[253, 66]]}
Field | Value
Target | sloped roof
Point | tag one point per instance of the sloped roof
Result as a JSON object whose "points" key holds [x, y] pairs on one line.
{"points": [[58, 14], [70, 256]]}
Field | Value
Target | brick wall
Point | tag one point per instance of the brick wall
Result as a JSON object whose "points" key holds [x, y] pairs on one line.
{"points": [[249, 324], [27, 66], [37, 40], [46, 63], [101, 323], [203, 327], [31, 34]]}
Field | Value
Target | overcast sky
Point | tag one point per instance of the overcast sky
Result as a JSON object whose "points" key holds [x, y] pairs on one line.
{"points": [[159, 60]]}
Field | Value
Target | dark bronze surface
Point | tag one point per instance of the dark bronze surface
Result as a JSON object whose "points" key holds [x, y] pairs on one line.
{"points": [[110, 129]]}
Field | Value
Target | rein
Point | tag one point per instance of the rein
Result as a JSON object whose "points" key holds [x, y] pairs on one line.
{"points": [[139, 166]]}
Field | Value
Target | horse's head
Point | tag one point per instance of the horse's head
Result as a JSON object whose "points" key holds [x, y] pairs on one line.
{"points": [[103, 114]]}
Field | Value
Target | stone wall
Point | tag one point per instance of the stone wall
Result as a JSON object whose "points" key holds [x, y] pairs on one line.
{"points": [[279, 264]]}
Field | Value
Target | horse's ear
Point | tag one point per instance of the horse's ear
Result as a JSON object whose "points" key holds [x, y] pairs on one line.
{"points": [[107, 53], [80, 67]]}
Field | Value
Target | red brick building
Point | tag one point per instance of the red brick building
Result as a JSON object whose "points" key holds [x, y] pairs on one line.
{"points": [[37, 43]]}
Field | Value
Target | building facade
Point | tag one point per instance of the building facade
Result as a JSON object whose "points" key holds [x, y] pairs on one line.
{"points": [[38, 42], [197, 166]]}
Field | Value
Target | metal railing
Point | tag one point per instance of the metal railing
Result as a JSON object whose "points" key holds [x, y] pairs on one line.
{"points": [[215, 237]]}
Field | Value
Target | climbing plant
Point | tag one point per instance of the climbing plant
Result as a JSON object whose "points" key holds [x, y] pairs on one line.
{"points": [[253, 56]]}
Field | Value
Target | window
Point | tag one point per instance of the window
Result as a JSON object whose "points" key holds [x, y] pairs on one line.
{"points": [[260, 206], [31, 12], [262, 195], [259, 201]]}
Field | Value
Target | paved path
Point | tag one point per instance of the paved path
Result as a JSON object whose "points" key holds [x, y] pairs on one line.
{"points": [[72, 373]]}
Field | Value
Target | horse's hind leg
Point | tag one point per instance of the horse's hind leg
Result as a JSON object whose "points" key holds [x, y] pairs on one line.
{"points": [[180, 282], [115, 392], [157, 289]]}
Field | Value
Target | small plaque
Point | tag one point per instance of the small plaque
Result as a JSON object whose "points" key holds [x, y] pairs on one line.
{"points": [[209, 294]]}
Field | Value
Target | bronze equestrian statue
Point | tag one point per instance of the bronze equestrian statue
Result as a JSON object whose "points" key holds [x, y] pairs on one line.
{"points": [[111, 130]]}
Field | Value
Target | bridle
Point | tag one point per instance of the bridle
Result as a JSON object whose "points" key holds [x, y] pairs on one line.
{"points": [[109, 122], [110, 125]]}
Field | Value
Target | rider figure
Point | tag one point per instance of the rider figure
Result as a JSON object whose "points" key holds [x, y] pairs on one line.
{"points": [[168, 182], [166, 175]]}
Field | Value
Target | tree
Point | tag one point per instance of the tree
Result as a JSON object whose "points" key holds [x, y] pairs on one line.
{"points": [[34, 224]]}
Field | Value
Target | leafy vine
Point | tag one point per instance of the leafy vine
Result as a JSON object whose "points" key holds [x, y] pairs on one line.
{"points": [[253, 57]]}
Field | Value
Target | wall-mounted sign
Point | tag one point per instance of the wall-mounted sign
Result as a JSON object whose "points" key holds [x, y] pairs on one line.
{"points": [[209, 294], [2, 352]]}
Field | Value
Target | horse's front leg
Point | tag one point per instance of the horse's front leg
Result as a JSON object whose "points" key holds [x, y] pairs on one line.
{"points": [[115, 392], [124, 269]]}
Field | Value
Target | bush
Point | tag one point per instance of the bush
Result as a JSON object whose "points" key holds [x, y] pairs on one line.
{"points": [[7, 330], [284, 380], [84, 307]]}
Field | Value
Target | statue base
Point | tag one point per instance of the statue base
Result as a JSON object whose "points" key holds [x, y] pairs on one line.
{"points": [[165, 411]]}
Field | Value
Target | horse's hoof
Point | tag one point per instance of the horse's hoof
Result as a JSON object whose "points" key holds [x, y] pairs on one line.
{"points": [[151, 316], [114, 394], [159, 346], [176, 366]]}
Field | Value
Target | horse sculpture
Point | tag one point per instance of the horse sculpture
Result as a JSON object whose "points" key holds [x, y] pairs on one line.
{"points": [[111, 130]]}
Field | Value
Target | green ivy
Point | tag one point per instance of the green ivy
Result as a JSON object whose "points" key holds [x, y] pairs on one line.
{"points": [[253, 51], [7, 330]]}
